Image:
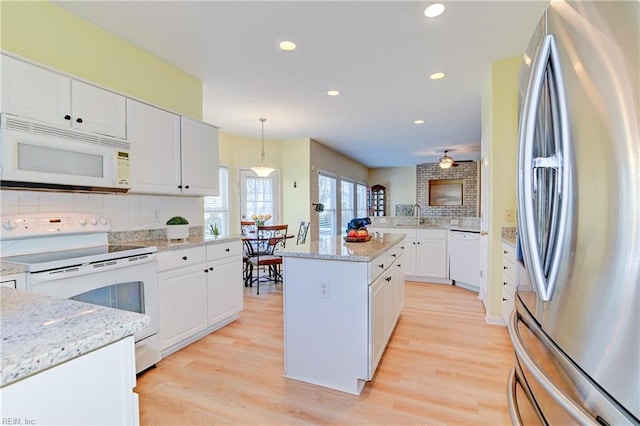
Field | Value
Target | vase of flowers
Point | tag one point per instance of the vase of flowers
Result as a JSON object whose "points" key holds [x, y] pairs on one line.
{"points": [[260, 219]]}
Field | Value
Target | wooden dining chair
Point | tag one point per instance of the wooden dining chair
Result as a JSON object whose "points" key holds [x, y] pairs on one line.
{"points": [[247, 228], [269, 239]]}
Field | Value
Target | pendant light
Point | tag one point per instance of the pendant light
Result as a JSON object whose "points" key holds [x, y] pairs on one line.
{"points": [[445, 161], [261, 170]]}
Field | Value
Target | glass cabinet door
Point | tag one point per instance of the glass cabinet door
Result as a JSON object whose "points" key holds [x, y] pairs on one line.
{"points": [[377, 205]]}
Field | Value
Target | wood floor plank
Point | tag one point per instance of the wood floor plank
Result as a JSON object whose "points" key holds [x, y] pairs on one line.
{"points": [[443, 365]]}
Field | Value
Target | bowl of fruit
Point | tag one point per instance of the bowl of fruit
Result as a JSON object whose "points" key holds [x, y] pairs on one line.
{"points": [[359, 235]]}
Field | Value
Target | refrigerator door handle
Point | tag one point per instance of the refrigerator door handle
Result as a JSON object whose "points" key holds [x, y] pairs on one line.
{"points": [[576, 411], [553, 162], [543, 267]]}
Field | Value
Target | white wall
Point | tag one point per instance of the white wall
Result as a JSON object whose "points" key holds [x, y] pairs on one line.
{"points": [[400, 184]]}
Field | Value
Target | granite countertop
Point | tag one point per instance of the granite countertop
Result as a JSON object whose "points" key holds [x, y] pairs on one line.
{"points": [[335, 248], [8, 268], [193, 241], [39, 332]]}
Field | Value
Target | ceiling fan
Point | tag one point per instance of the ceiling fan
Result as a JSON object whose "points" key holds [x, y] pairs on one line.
{"points": [[446, 161]]}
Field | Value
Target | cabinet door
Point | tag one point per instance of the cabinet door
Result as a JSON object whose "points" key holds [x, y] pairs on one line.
{"points": [[431, 259], [155, 149], [199, 158], [97, 110], [377, 322], [409, 257], [34, 92], [397, 284], [224, 289], [183, 304]]}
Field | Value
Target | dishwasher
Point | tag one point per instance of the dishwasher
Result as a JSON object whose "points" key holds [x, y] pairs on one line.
{"points": [[464, 258]]}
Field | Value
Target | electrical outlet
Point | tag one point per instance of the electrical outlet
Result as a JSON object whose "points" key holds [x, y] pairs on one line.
{"points": [[509, 215], [324, 290], [455, 221]]}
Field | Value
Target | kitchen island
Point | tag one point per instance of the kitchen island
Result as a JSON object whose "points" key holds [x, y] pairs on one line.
{"points": [[341, 303], [66, 362]]}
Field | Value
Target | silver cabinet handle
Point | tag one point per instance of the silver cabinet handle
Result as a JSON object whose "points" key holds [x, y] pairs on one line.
{"points": [[577, 412]]}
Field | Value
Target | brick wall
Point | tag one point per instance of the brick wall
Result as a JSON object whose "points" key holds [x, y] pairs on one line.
{"points": [[468, 172]]}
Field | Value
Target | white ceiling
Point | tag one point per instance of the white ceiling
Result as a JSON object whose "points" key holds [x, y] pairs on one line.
{"points": [[379, 54]]}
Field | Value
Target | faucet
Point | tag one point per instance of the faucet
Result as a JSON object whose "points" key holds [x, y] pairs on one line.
{"points": [[419, 209]]}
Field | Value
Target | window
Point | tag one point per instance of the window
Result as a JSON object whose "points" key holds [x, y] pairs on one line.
{"points": [[347, 203], [327, 196], [216, 209], [361, 200], [259, 195]]}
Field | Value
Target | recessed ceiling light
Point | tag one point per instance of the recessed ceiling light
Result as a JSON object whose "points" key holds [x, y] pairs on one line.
{"points": [[287, 45], [436, 76], [333, 92], [434, 10], [418, 122]]}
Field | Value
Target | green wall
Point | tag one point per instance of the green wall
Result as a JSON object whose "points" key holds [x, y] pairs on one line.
{"points": [[500, 122], [47, 34]]}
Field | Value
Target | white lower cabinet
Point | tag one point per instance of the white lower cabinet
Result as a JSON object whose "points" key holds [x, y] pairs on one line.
{"points": [[426, 253], [183, 295], [201, 290], [432, 258], [224, 281], [508, 280], [92, 389], [378, 319]]}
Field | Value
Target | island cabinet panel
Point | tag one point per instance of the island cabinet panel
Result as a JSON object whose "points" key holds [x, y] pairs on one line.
{"points": [[95, 388], [339, 313], [326, 333]]}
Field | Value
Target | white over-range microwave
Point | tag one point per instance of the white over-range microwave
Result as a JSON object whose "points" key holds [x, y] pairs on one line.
{"points": [[40, 156]]}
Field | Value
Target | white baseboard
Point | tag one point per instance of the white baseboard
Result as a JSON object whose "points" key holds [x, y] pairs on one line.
{"points": [[470, 287], [428, 280], [494, 320]]}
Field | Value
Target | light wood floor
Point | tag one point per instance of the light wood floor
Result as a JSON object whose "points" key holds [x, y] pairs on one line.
{"points": [[443, 365]]}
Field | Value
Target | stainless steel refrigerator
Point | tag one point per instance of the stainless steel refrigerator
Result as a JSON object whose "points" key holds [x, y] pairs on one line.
{"points": [[576, 336]]}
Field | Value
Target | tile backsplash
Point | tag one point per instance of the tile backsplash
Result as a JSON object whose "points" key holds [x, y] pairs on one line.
{"points": [[467, 172], [126, 212]]}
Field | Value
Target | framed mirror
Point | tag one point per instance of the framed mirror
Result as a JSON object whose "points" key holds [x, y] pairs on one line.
{"points": [[445, 192]]}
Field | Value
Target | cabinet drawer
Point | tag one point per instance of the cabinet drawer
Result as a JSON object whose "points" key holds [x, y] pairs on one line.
{"points": [[394, 253], [508, 284], [224, 249], [377, 266], [172, 259], [509, 252], [509, 269], [507, 306]]}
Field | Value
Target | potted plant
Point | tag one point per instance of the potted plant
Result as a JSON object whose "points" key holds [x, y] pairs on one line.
{"points": [[177, 228]]}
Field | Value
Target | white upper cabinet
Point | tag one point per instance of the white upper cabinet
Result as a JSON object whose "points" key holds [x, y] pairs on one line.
{"points": [[200, 158], [37, 93], [97, 110], [30, 91], [172, 155], [155, 149]]}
